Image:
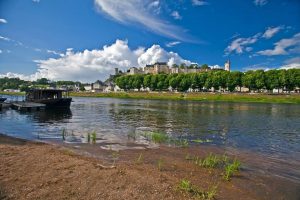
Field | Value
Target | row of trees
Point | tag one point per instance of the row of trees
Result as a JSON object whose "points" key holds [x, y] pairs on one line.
{"points": [[217, 79], [16, 83]]}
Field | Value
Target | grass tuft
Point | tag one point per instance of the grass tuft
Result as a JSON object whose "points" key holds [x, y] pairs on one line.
{"points": [[94, 137], [186, 186]]}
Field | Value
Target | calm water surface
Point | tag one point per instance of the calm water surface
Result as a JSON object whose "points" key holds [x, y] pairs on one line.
{"points": [[269, 129]]}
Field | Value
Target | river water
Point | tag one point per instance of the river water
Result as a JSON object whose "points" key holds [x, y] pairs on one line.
{"points": [[272, 130]]}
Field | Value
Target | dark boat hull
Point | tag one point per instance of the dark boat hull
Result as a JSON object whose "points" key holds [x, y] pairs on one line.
{"points": [[55, 103], [2, 99]]}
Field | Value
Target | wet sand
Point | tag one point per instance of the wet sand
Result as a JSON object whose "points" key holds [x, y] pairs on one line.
{"points": [[32, 170]]}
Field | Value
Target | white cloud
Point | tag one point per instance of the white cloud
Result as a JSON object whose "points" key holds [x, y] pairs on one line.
{"points": [[292, 60], [5, 38], [270, 32], [176, 15], [284, 46], [216, 67], [91, 65], [260, 2], [36, 1], [199, 3], [291, 66], [172, 44], [156, 53], [240, 44], [140, 12], [0, 51], [4, 21], [54, 52]]}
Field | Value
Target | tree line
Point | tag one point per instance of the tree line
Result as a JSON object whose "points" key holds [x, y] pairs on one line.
{"points": [[22, 85], [218, 79]]}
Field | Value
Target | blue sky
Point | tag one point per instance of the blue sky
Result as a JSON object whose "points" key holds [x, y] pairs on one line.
{"points": [[86, 39]]}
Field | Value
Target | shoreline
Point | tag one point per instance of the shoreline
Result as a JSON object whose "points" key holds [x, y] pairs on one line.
{"points": [[34, 170], [201, 97], [193, 96]]}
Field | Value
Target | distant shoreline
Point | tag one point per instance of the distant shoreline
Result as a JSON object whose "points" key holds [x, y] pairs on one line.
{"points": [[196, 96]]}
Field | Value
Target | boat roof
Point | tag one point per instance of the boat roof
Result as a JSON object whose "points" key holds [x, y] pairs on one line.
{"points": [[47, 90]]}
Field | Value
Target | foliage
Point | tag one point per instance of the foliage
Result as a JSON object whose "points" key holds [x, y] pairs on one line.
{"points": [[231, 168], [217, 79], [157, 137], [94, 137]]}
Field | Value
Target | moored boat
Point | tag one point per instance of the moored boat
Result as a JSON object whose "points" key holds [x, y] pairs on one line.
{"points": [[52, 98], [2, 99]]}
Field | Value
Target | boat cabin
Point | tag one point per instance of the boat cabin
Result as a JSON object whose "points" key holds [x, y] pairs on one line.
{"points": [[41, 94]]}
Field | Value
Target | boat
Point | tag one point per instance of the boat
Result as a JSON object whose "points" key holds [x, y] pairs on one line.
{"points": [[2, 99], [52, 98]]}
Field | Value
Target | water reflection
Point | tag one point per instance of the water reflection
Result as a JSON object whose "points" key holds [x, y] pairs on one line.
{"points": [[269, 128]]}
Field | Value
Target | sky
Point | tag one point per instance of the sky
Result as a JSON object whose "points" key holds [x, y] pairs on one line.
{"points": [[84, 40]]}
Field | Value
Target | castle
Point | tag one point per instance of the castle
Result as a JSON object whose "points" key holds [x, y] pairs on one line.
{"points": [[162, 67]]}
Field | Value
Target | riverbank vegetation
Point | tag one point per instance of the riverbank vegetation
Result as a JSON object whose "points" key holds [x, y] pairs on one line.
{"points": [[197, 96], [217, 80]]}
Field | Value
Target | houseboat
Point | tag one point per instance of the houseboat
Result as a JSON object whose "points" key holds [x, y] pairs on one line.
{"points": [[52, 98]]}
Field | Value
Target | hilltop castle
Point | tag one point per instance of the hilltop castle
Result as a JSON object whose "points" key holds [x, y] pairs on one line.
{"points": [[162, 67]]}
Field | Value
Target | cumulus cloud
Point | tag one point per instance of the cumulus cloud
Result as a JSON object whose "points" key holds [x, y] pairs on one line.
{"points": [[156, 53], [260, 2], [284, 46], [4, 21], [199, 3], [91, 65], [0, 51], [172, 44], [270, 32], [240, 44], [36, 1], [140, 12], [176, 15]]}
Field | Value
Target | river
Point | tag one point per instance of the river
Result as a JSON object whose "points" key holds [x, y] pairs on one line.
{"points": [[270, 130]]}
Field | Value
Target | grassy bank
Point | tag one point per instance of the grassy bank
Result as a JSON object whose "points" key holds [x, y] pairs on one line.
{"points": [[12, 93], [236, 97], [230, 97]]}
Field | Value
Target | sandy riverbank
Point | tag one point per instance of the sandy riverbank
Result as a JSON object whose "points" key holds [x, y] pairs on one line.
{"points": [[30, 170]]}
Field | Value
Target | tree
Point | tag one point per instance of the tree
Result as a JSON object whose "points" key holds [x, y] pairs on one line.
{"points": [[42, 81], [272, 79], [248, 80], [259, 76], [147, 81], [184, 83], [209, 81], [153, 82]]}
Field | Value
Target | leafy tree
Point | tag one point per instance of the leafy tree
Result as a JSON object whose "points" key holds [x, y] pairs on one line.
{"points": [[147, 81]]}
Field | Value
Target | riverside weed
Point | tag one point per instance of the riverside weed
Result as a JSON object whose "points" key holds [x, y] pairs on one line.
{"points": [[94, 137], [88, 137], [63, 134], [230, 169], [186, 186], [115, 156], [160, 163], [140, 159], [211, 161]]}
